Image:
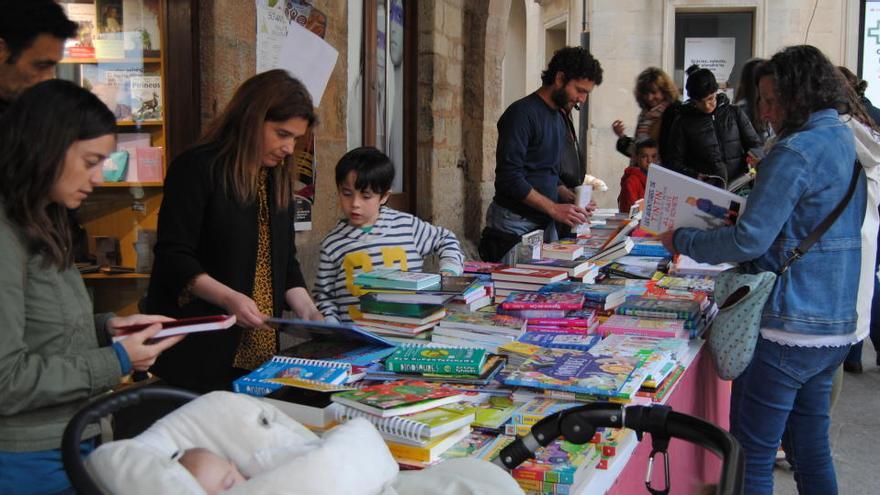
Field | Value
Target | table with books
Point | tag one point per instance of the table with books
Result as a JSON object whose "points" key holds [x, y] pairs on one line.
{"points": [[458, 366]]}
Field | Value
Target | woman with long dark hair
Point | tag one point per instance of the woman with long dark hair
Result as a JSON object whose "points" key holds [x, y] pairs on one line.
{"points": [[809, 320], [55, 354], [226, 239]]}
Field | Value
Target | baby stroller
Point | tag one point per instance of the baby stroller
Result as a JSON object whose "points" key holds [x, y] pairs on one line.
{"points": [[577, 425]]}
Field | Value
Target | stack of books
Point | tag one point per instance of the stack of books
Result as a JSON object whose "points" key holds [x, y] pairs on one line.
{"points": [[418, 420], [579, 269], [509, 280], [389, 278], [689, 313], [397, 318], [484, 330], [602, 298]]}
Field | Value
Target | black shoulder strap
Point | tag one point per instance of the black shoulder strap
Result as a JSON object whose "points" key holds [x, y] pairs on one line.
{"points": [[817, 233]]}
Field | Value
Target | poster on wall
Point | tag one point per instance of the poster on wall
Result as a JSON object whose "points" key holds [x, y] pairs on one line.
{"points": [[274, 18], [870, 69], [716, 54]]}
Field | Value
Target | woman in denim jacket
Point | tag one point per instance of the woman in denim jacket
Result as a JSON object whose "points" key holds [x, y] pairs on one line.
{"points": [[809, 320]]}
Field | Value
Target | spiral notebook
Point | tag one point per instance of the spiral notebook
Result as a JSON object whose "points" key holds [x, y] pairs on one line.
{"points": [[312, 374], [418, 428]]}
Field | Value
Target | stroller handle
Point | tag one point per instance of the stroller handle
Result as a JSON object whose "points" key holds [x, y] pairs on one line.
{"points": [[73, 462], [578, 425]]}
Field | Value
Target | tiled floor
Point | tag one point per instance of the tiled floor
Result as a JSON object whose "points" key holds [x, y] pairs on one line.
{"points": [[855, 434]]}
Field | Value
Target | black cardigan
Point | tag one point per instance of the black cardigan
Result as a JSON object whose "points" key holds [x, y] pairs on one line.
{"points": [[203, 230]]}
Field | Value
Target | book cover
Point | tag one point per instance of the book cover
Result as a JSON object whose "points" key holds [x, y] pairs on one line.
{"points": [[484, 321], [398, 398], [602, 375], [529, 275], [81, 46], [643, 246], [555, 340], [337, 342], [179, 327], [149, 164], [418, 428], [561, 251], [546, 300], [140, 21], [146, 97], [494, 412], [482, 266], [130, 142], [111, 86], [389, 278], [312, 374], [494, 364], [629, 271], [656, 308], [443, 360], [673, 201], [610, 295], [575, 268], [371, 303]]}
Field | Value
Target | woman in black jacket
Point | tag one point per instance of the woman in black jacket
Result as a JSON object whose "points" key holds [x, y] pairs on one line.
{"points": [[226, 239], [711, 137]]}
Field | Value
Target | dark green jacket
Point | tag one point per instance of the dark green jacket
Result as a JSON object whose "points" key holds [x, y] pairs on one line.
{"points": [[50, 359]]}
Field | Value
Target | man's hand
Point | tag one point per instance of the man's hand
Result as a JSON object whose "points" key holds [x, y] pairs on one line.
{"points": [[569, 214]]}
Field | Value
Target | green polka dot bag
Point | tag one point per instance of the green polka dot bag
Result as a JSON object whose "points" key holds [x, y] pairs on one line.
{"points": [[734, 331]]}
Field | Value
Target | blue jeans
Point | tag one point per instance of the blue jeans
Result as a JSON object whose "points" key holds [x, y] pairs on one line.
{"points": [[37, 473], [789, 388], [505, 220]]}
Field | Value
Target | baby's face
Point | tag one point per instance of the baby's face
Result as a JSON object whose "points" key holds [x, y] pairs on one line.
{"points": [[214, 473]]}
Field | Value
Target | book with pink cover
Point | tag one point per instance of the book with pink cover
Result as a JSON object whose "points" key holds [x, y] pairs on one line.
{"points": [[634, 325], [181, 326], [149, 164], [550, 300], [482, 266]]}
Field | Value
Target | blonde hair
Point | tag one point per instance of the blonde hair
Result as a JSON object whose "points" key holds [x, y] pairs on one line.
{"points": [[654, 76], [272, 96]]}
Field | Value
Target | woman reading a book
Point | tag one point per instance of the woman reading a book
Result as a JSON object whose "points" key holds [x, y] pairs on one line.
{"points": [[55, 354], [226, 239], [809, 320]]}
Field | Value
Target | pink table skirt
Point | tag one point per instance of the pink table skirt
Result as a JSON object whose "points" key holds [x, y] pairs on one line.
{"points": [[699, 393]]}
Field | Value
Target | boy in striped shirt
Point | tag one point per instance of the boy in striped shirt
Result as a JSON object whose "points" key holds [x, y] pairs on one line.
{"points": [[373, 235]]}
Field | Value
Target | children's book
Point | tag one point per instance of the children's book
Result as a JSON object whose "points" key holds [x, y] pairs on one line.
{"points": [[601, 375], [414, 320], [493, 412], [620, 269], [575, 268], [82, 45], [558, 340], [436, 359], [482, 266], [546, 300], [643, 246], [389, 278], [336, 342], [431, 451], [609, 295], [398, 398], [561, 251], [312, 374], [418, 428], [486, 322], [372, 303], [634, 325], [494, 364], [674, 200], [181, 326], [655, 308], [529, 275]]}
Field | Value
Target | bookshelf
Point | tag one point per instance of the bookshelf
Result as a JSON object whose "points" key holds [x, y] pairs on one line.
{"points": [[121, 54]]}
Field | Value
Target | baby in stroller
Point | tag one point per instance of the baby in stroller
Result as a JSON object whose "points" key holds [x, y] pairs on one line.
{"points": [[235, 444]]}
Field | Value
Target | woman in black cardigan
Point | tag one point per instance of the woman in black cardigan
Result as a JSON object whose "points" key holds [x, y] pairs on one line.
{"points": [[226, 237]]}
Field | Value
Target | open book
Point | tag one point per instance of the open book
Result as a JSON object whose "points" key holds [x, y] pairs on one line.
{"points": [[673, 200]]}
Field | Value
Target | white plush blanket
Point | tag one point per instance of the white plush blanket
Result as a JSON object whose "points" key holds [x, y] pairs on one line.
{"points": [[278, 455]]}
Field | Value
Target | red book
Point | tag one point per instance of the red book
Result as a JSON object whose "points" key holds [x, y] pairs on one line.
{"points": [[550, 300], [181, 326], [149, 164]]}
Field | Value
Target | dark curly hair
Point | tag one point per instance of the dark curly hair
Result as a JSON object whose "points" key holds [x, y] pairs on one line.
{"points": [[654, 77], [575, 63], [805, 81], [23, 21], [700, 82]]}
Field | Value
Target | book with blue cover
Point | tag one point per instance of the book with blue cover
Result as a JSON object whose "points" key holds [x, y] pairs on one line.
{"points": [[560, 340], [572, 371], [311, 374], [333, 341]]}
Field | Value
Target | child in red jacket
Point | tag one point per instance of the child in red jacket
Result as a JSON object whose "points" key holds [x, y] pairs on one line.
{"points": [[632, 184]]}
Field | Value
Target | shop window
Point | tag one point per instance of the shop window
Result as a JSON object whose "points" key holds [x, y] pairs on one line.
{"points": [[381, 97], [708, 36]]}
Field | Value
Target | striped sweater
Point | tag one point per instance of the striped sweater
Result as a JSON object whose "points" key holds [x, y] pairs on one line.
{"points": [[396, 240]]}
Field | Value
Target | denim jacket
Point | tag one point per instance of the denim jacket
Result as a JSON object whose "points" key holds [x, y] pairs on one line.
{"points": [[799, 182]]}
